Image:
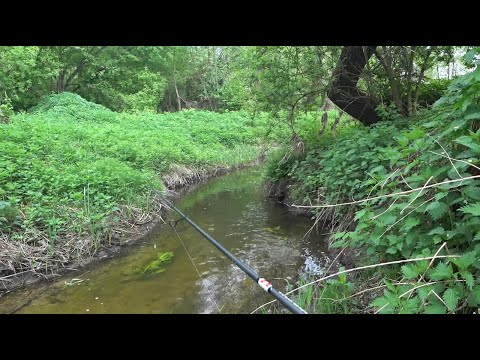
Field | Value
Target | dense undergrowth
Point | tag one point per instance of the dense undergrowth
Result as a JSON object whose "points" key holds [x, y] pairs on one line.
{"points": [[75, 175], [405, 189]]}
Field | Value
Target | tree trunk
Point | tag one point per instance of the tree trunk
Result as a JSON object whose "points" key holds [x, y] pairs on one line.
{"points": [[175, 84], [176, 91], [344, 93], [78, 70], [178, 98]]}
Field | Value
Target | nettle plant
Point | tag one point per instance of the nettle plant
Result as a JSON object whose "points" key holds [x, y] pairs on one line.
{"points": [[426, 205]]}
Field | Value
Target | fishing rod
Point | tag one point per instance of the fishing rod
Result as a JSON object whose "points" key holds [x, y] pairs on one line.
{"points": [[264, 284]]}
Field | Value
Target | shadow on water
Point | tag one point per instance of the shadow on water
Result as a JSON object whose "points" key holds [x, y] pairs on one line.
{"points": [[234, 210]]}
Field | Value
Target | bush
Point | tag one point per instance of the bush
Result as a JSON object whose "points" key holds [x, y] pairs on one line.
{"points": [[442, 219]]}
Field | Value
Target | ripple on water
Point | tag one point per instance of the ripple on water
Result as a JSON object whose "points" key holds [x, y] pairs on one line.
{"points": [[258, 230]]}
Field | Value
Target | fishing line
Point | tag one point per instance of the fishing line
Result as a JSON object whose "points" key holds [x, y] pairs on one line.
{"points": [[263, 283], [191, 260]]}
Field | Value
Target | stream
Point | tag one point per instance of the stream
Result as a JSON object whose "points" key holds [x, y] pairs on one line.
{"points": [[233, 209]]}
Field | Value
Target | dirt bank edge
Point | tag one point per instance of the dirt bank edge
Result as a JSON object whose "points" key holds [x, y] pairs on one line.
{"points": [[178, 182]]}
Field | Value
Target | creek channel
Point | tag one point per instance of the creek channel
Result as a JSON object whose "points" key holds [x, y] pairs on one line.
{"points": [[232, 208]]}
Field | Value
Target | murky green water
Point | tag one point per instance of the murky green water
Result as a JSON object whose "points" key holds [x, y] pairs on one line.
{"points": [[235, 211]]}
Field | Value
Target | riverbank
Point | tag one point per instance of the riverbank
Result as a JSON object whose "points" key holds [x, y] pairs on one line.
{"points": [[78, 180], [404, 195], [322, 225], [233, 209], [142, 227]]}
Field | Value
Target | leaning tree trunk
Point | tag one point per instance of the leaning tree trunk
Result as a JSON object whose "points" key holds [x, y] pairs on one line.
{"points": [[344, 93]]}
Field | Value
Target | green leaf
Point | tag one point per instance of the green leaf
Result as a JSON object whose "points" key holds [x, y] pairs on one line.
{"points": [[475, 115], [422, 265], [437, 231], [440, 195], [338, 235], [474, 298], [410, 223], [437, 239], [455, 184], [472, 192], [342, 277], [379, 302], [469, 56], [377, 169], [468, 142], [387, 219], [360, 213], [411, 306], [393, 239], [451, 299], [410, 271], [435, 309], [424, 291], [389, 285], [442, 272], [473, 209], [392, 250], [436, 209], [469, 280], [477, 236], [465, 260], [411, 165], [411, 238]]}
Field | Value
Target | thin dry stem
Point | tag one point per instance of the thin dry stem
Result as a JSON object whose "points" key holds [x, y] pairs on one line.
{"points": [[401, 193], [415, 198], [356, 269]]}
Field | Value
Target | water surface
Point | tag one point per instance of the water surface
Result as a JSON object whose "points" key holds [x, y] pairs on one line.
{"points": [[235, 211]]}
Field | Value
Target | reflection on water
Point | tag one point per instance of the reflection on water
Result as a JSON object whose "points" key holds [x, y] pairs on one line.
{"points": [[234, 210]]}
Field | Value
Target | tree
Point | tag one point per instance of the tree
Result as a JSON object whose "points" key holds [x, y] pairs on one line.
{"points": [[289, 79], [344, 91], [394, 75], [22, 80], [204, 77]]}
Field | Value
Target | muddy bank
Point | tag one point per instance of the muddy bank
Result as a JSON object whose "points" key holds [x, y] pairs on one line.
{"points": [[139, 226]]}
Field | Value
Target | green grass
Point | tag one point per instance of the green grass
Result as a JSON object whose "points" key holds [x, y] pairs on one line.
{"points": [[330, 297], [72, 172], [59, 165], [69, 166]]}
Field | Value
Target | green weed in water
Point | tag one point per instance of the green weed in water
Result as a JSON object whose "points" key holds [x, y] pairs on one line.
{"points": [[157, 265]]}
